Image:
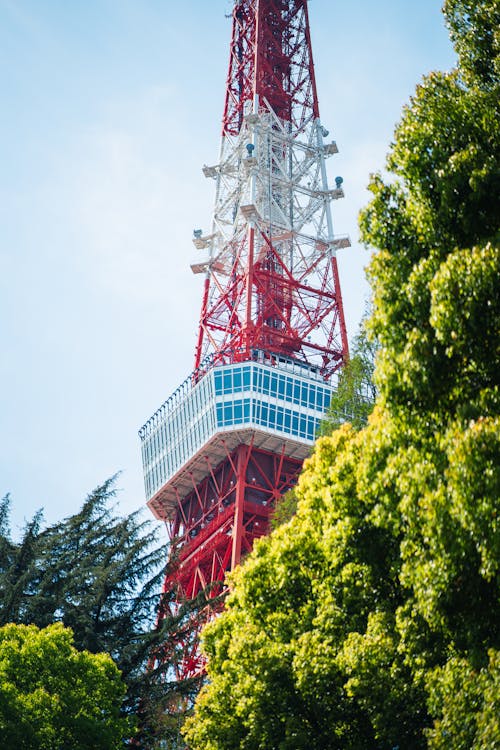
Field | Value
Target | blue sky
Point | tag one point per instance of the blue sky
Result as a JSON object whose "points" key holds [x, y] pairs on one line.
{"points": [[109, 110]]}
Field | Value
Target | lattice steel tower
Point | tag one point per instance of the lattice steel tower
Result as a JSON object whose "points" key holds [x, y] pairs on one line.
{"points": [[272, 336]]}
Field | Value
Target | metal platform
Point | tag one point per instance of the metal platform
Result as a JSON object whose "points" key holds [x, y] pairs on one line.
{"points": [[274, 407]]}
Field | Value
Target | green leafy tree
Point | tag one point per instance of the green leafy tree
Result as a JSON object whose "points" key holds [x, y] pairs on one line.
{"points": [[296, 659], [352, 401], [54, 697], [465, 703], [371, 619], [285, 508], [474, 29], [355, 395]]}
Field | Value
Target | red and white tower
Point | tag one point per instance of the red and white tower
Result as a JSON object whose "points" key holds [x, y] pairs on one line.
{"points": [[272, 336]]}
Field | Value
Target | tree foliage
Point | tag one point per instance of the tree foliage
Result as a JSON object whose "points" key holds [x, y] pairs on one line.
{"points": [[352, 401], [97, 573], [53, 696], [355, 394], [371, 619], [101, 575], [312, 605]]}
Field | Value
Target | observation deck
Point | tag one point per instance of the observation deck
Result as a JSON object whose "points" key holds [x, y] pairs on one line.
{"points": [[275, 406]]}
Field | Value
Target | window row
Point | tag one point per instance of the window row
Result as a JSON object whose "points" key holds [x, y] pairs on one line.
{"points": [[192, 418], [271, 416], [276, 384], [166, 451]]}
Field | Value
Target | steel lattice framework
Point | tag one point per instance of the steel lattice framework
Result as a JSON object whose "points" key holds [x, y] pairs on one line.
{"points": [[220, 452], [271, 278]]}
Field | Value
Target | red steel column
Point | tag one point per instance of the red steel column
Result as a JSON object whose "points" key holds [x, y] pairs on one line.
{"points": [[239, 506]]}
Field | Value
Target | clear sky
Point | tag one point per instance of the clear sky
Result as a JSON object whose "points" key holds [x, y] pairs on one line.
{"points": [[109, 109]]}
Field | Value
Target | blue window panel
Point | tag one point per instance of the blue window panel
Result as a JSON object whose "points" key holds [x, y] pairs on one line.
{"points": [[246, 410], [289, 389], [237, 379], [296, 393], [281, 386], [246, 377], [312, 397], [303, 426], [274, 384], [272, 416], [219, 414], [265, 383], [318, 401], [322, 401], [295, 423], [227, 382], [228, 413], [326, 400], [311, 428], [279, 417], [264, 411], [218, 383], [238, 411], [304, 394]]}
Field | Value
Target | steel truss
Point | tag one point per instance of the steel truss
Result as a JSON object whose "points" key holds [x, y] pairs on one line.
{"points": [[271, 276], [218, 521], [214, 526]]}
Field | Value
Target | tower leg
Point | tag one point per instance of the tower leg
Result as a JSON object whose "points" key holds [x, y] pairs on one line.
{"points": [[243, 453], [216, 525]]}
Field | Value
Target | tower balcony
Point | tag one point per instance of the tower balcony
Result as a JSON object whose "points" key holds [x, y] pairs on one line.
{"points": [[274, 407]]}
